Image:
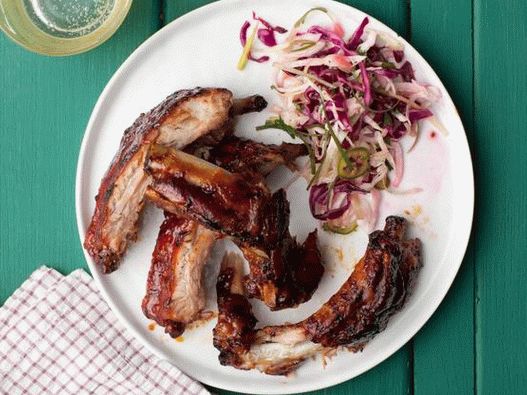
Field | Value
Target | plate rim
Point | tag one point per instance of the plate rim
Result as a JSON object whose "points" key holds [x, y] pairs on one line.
{"points": [[411, 331]]}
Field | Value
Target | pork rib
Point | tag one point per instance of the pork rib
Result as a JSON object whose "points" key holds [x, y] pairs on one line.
{"points": [[183, 117], [250, 158], [377, 288], [175, 295], [234, 332], [218, 199], [283, 274]]}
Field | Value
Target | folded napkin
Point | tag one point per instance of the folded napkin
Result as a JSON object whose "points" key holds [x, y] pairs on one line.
{"points": [[58, 336]]}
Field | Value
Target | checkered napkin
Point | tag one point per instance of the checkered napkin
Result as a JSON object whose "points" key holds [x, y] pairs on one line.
{"points": [[58, 336]]}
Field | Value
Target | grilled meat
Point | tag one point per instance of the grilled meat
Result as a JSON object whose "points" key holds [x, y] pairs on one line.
{"points": [[377, 288], [216, 198], [255, 103], [174, 294], [247, 157], [285, 276], [273, 350], [182, 118], [234, 332]]}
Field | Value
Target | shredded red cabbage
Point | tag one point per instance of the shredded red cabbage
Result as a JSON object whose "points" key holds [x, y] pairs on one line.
{"points": [[243, 33], [357, 34], [261, 59], [365, 84], [416, 115], [407, 72], [277, 29], [388, 73], [319, 199], [398, 56], [243, 41], [342, 94], [267, 37], [331, 37]]}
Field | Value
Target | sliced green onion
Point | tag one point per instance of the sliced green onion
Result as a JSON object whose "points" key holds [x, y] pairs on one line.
{"points": [[383, 184], [331, 190], [244, 58], [312, 78], [342, 230], [360, 159], [303, 17], [302, 45], [329, 129], [312, 162], [275, 88], [278, 123], [354, 119], [388, 65], [316, 176], [340, 148]]}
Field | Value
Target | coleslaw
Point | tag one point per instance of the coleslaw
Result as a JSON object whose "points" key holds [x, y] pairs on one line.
{"points": [[350, 100]]}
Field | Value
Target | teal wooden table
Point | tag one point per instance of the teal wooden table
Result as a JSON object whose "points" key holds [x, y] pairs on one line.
{"points": [[475, 342]]}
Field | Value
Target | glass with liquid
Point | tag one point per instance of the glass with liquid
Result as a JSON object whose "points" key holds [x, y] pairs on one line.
{"points": [[61, 27]]}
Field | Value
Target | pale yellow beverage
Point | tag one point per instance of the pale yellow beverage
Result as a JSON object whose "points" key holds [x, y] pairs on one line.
{"points": [[61, 27]]}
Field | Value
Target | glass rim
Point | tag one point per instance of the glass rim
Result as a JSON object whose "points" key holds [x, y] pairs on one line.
{"points": [[85, 44]]}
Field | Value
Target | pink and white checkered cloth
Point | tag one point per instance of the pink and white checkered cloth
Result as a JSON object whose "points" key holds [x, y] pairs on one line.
{"points": [[58, 336]]}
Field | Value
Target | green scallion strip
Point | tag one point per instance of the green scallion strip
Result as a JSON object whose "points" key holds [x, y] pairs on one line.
{"points": [[316, 176], [331, 187], [317, 173], [340, 148], [303, 44], [303, 17], [312, 162], [244, 58], [278, 123]]}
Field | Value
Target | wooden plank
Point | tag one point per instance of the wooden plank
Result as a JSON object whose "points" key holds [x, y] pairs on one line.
{"points": [[394, 13], [394, 375], [173, 9], [444, 349], [44, 107], [500, 48]]}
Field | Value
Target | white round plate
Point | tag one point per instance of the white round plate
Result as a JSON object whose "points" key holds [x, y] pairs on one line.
{"points": [[202, 49]]}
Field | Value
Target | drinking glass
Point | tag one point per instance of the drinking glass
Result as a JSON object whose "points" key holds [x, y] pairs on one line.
{"points": [[61, 27]]}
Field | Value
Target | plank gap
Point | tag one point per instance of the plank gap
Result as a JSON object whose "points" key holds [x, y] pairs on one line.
{"points": [[411, 362], [473, 149], [409, 20], [472, 242], [161, 13], [444, 348]]}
